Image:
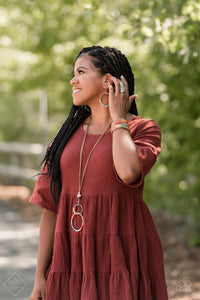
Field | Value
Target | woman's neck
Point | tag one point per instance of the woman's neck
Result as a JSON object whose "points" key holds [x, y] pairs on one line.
{"points": [[100, 119]]}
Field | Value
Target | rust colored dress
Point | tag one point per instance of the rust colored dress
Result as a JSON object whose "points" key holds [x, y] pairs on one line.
{"points": [[118, 254]]}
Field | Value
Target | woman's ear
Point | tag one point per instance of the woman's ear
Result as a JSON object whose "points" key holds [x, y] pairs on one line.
{"points": [[107, 80]]}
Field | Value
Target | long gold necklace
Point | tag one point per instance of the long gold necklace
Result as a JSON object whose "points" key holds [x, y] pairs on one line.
{"points": [[78, 208]]}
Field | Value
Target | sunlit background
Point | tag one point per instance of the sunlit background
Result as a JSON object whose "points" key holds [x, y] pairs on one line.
{"points": [[38, 46]]}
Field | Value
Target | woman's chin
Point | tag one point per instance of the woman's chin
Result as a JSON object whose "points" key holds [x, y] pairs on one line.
{"points": [[76, 102]]}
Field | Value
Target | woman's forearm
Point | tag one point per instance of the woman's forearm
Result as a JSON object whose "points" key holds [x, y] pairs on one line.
{"points": [[46, 237], [125, 156]]}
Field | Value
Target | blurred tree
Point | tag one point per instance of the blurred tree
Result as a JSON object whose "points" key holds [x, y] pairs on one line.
{"points": [[38, 44]]}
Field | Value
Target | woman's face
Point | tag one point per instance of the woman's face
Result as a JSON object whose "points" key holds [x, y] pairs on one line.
{"points": [[88, 83]]}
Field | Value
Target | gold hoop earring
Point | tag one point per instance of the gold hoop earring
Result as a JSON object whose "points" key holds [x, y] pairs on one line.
{"points": [[100, 100]]}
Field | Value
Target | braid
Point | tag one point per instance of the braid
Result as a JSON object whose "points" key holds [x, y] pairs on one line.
{"points": [[52, 157], [106, 60]]}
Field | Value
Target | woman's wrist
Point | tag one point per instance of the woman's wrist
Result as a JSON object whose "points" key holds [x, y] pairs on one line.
{"points": [[40, 274], [121, 123], [118, 117]]}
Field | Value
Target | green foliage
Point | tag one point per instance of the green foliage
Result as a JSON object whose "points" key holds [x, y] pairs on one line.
{"points": [[38, 45]]}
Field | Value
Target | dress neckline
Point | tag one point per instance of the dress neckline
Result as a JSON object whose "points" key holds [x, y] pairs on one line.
{"points": [[108, 132]]}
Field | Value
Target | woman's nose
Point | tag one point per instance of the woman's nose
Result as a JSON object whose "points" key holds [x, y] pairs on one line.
{"points": [[73, 80]]}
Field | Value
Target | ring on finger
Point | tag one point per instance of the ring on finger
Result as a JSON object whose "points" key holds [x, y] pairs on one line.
{"points": [[121, 87]]}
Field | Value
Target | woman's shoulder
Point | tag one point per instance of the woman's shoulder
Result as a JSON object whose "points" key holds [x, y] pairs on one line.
{"points": [[139, 124], [138, 120]]}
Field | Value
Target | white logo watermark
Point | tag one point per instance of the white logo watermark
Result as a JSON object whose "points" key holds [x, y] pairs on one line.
{"points": [[15, 284], [184, 285]]}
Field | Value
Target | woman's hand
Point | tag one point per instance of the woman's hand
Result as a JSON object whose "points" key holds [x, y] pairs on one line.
{"points": [[39, 289], [45, 250], [119, 103]]}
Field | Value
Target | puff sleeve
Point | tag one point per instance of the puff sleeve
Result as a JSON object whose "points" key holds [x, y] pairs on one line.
{"points": [[146, 135], [41, 195]]}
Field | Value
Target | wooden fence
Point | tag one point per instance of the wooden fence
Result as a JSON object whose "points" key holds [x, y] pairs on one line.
{"points": [[18, 153]]}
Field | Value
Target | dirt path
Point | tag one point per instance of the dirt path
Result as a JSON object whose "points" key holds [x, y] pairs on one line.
{"points": [[182, 262], [19, 239]]}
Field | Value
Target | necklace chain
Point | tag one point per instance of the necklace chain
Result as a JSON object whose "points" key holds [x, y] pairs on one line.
{"points": [[78, 208]]}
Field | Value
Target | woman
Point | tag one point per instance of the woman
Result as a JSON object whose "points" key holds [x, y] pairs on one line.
{"points": [[97, 236]]}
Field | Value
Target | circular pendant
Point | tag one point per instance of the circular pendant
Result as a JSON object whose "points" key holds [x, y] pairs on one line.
{"points": [[78, 214]]}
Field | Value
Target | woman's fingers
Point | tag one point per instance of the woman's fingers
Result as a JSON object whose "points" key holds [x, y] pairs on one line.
{"points": [[117, 86], [111, 90], [43, 296], [131, 98], [126, 85], [116, 83], [119, 102]]}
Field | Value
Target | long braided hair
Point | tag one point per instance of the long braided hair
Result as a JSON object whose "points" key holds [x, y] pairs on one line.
{"points": [[106, 60]]}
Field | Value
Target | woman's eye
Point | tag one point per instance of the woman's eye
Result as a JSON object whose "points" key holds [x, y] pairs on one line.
{"points": [[79, 72]]}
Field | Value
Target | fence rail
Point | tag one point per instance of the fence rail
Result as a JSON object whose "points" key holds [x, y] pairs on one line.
{"points": [[15, 149], [21, 148]]}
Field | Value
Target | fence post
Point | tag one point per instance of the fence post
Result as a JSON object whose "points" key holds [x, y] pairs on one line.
{"points": [[43, 112]]}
